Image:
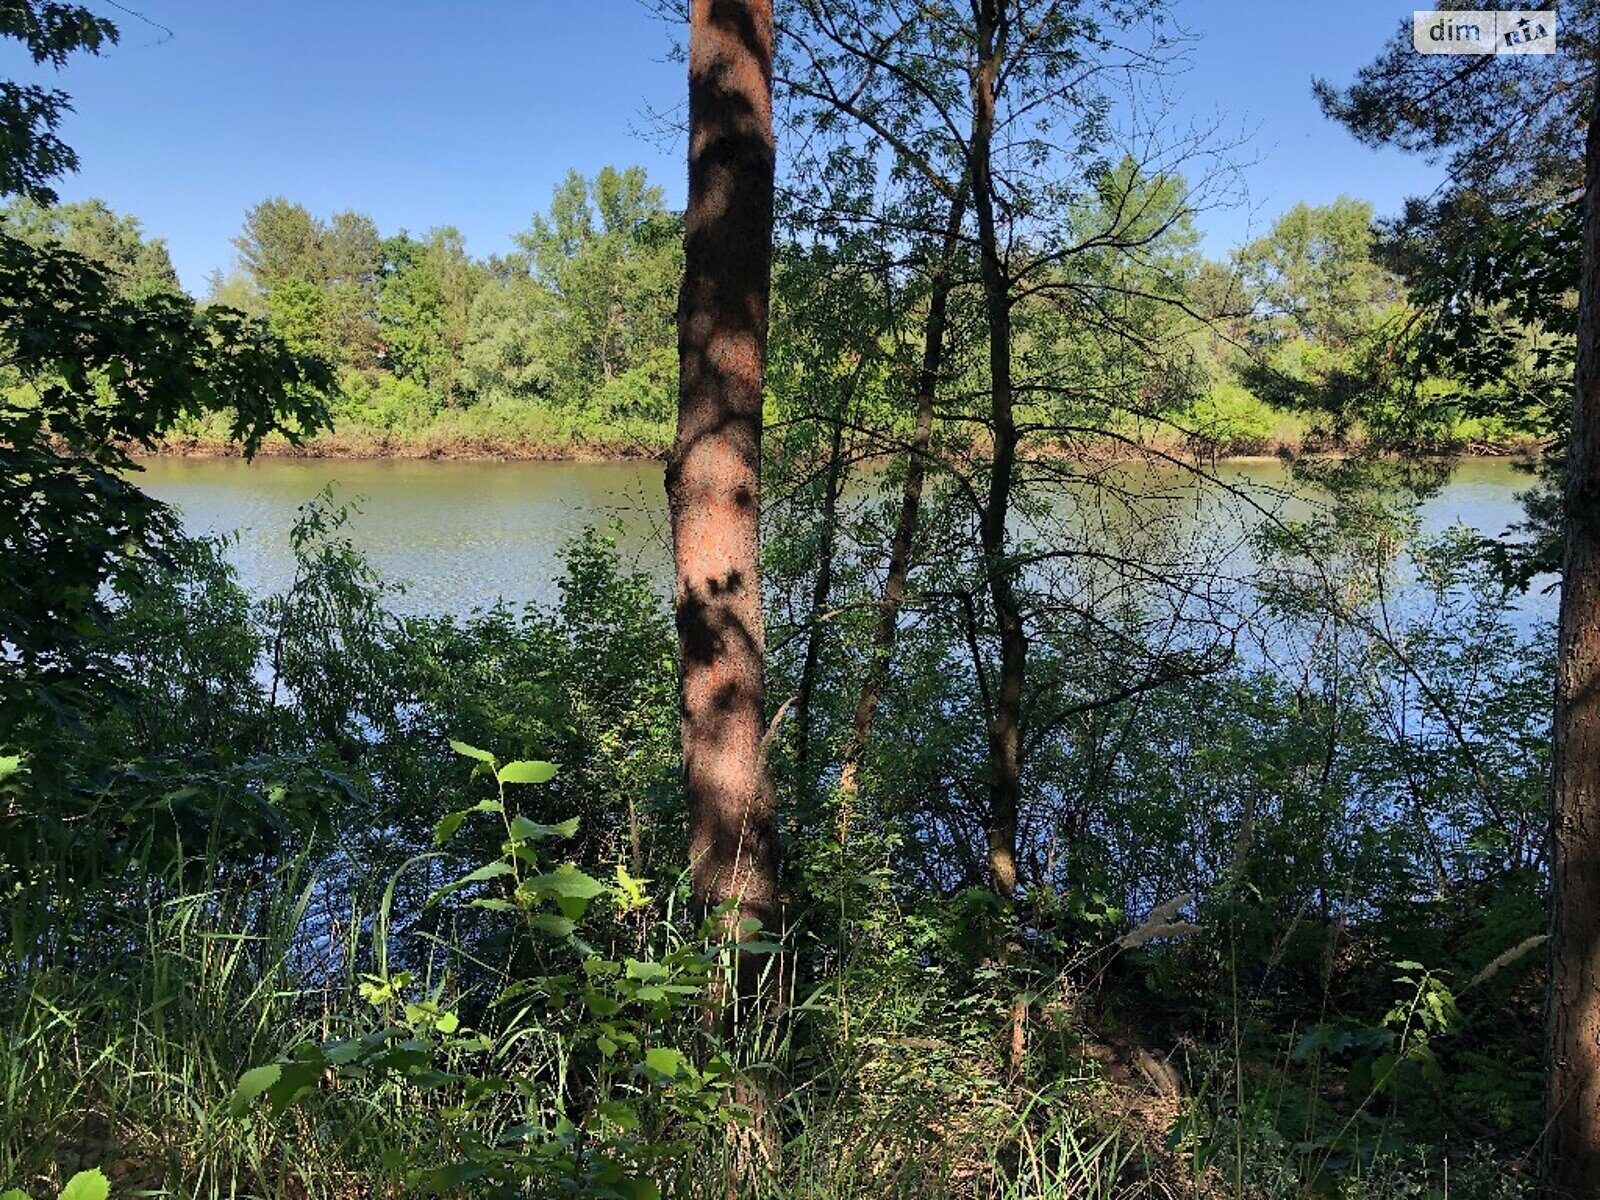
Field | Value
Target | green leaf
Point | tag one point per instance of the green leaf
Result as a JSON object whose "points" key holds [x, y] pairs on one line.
{"points": [[566, 882], [450, 1177], [87, 1185], [10, 764], [448, 824], [493, 870], [526, 772], [664, 1060], [619, 1114], [630, 891], [472, 752], [524, 830], [552, 924], [251, 1084], [14, 1194], [1383, 1068], [488, 871]]}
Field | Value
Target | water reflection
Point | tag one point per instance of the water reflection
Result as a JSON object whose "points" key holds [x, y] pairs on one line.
{"points": [[462, 534]]}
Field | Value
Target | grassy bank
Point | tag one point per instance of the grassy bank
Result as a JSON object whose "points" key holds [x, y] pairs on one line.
{"points": [[519, 432], [493, 430]]}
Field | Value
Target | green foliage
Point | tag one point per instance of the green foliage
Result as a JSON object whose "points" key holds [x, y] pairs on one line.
{"points": [[138, 266], [1326, 317], [1230, 420], [85, 1185], [295, 310], [508, 347], [568, 1087], [385, 404], [106, 374], [607, 254], [31, 155], [295, 902], [571, 339], [424, 307], [280, 243]]}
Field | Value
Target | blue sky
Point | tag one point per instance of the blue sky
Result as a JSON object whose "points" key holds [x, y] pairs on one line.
{"points": [[467, 112]]}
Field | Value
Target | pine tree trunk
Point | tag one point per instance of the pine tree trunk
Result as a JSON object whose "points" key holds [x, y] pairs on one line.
{"points": [[713, 473], [1572, 1150]]}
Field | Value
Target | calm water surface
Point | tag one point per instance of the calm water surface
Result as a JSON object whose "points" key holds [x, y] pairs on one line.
{"points": [[462, 534], [457, 534]]}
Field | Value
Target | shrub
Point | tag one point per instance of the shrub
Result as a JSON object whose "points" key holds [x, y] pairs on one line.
{"points": [[1229, 420]]}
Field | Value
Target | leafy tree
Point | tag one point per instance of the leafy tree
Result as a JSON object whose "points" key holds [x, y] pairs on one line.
{"points": [[1315, 274], [280, 241], [1326, 314], [139, 265], [351, 266], [608, 254], [425, 307], [31, 155], [100, 371], [1506, 127], [297, 311], [510, 341], [1003, 109], [235, 289]]}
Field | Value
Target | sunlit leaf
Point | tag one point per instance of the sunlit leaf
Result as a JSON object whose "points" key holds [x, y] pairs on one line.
{"points": [[472, 752], [664, 1060], [568, 882], [87, 1185], [525, 830], [619, 1114], [526, 772]]}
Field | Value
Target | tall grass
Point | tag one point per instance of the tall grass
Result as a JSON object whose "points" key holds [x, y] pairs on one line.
{"points": [[133, 1005], [133, 1009]]}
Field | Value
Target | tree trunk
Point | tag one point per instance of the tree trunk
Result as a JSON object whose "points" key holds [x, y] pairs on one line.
{"points": [[905, 530], [1572, 1148], [713, 474], [1005, 725], [821, 589]]}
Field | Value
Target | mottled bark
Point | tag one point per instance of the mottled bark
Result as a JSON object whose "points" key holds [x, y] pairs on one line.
{"points": [[890, 604], [713, 473], [1572, 1150], [1005, 721]]}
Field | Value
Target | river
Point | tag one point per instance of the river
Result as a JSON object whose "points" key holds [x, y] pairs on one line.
{"points": [[463, 534]]}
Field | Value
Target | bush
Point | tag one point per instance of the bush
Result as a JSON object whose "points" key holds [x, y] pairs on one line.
{"points": [[1229, 420], [383, 402]]}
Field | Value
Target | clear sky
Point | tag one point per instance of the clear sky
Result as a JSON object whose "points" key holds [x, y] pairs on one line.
{"points": [[467, 112]]}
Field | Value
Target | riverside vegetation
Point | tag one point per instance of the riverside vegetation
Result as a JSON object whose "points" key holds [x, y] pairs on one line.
{"points": [[304, 897], [566, 347]]}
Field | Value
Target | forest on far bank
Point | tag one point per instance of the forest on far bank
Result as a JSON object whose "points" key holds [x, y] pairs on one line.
{"points": [[1308, 338]]}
